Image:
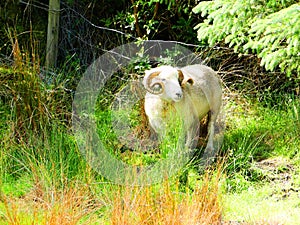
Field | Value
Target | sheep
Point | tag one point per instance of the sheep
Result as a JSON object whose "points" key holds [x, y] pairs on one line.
{"points": [[194, 91]]}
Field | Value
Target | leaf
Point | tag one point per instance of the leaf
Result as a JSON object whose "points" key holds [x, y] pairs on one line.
{"points": [[202, 7], [228, 39], [271, 30]]}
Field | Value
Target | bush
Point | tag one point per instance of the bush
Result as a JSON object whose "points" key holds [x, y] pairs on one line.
{"points": [[271, 29]]}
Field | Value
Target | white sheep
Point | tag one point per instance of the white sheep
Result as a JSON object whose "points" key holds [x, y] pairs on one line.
{"points": [[193, 91]]}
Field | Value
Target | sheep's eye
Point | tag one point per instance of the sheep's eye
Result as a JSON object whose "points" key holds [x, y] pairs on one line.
{"points": [[163, 79]]}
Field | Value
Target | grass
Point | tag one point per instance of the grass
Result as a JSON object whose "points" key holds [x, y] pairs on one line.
{"points": [[257, 132], [70, 206], [127, 136], [262, 205], [168, 205], [75, 204], [262, 169], [46, 180]]}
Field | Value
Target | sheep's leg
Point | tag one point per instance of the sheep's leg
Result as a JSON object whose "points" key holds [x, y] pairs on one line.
{"points": [[192, 135], [211, 133], [210, 150], [191, 139]]}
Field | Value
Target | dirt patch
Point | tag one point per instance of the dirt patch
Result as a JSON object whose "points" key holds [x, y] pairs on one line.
{"points": [[276, 169], [280, 172]]}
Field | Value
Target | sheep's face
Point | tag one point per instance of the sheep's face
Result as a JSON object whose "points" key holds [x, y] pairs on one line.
{"points": [[172, 89], [165, 82]]}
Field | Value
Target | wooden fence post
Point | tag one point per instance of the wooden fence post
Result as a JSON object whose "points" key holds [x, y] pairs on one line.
{"points": [[52, 34]]}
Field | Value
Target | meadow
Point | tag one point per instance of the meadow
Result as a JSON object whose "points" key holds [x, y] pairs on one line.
{"points": [[45, 178]]}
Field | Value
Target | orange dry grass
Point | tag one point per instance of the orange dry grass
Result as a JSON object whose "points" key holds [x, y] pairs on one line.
{"points": [[145, 206], [67, 207], [152, 205]]}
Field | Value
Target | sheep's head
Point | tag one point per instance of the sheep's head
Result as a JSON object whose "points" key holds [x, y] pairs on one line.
{"points": [[164, 81]]}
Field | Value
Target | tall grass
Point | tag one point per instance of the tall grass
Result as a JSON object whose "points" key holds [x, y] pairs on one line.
{"points": [[73, 205], [166, 204], [46, 180], [257, 131], [77, 204]]}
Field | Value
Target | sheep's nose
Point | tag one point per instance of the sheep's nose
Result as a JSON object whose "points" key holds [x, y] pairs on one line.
{"points": [[179, 95]]}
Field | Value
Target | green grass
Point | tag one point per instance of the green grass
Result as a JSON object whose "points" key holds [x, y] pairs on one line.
{"points": [[44, 176], [256, 132], [125, 135], [262, 149], [262, 205]]}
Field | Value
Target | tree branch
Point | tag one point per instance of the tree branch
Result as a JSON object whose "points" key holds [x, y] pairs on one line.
{"points": [[135, 12]]}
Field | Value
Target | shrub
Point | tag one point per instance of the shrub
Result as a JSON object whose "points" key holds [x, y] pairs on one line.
{"points": [[271, 29]]}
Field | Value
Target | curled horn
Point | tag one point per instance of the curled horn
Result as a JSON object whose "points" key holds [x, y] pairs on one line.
{"points": [[155, 88]]}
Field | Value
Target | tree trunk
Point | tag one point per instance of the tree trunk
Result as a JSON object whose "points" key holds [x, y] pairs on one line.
{"points": [[52, 34]]}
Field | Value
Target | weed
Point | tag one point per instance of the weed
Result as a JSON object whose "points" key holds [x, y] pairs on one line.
{"points": [[167, 205], [72, 205], [46, 180]]}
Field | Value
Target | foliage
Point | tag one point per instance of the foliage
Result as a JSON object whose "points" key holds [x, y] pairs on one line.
{"points": [[258, 133], [276, 39], [26, 22], [268, 28], [35, 105], [168, 205], [89, 27], [156, 19], [43, 176]]}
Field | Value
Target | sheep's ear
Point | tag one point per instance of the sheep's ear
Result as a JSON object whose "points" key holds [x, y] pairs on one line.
{"points": [[190, 81], [180, 76]]}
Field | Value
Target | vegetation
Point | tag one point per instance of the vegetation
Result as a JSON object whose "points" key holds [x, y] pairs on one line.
{"points": [[46, 179], [269, 29]]}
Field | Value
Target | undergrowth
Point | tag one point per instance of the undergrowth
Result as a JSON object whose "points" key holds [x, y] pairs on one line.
{"points": [[258, 131], [45, 179]]}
